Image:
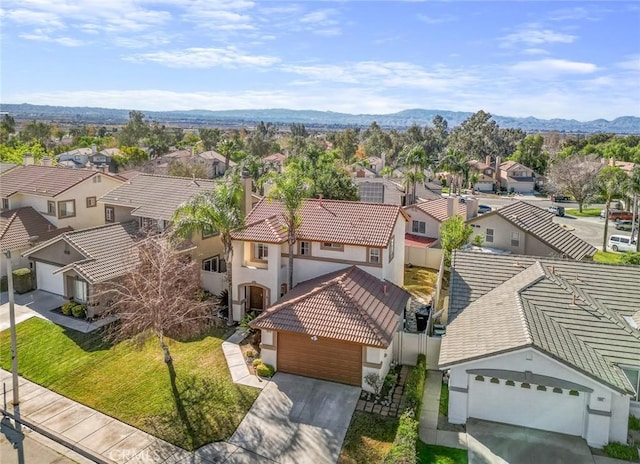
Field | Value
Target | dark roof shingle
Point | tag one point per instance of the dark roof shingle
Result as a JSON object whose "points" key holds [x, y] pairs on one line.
{"points": [[18, 226]]}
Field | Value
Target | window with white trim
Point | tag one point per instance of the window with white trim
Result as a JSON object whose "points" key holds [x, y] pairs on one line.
{"points": [[109, 214], [91, 202], [634, 379], [374, 255], [80, 291], [418, 227], [5, 203], [51, 208], [488, 236], [332, 246], [260, 252], [304, 248], [515, 239], [214, 264]]}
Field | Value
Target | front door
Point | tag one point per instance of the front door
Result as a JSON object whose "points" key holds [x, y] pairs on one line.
{"points": [[256, 298]]}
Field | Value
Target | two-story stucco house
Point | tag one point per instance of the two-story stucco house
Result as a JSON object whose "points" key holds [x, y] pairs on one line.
{"points": [[151, 200], [485, 173], [66, 197], [352, 254], [515, 177]]}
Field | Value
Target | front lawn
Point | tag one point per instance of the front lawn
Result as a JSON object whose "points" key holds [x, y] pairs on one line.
{"points": [[420, 281], [369, 438], [607, 257], [194, 404], [586, 212], [433, 454]]}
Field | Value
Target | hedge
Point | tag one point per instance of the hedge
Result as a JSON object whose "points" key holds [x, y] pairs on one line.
{"points": [[404, 450], [22, 280]]}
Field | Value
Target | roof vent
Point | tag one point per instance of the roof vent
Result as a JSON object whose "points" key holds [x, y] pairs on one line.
{"points": [[553, 270], [577, 277], [573, 299]]}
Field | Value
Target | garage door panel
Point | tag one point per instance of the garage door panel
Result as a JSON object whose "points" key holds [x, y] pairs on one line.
{"points": [[47, 280], [322, 359], [528, 407]]}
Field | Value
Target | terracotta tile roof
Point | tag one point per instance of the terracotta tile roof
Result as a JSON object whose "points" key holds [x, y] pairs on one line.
{"points": [[335, 221], [348, 305], [573, 311], [418, 240], [438, 208], [539, 223], [18, 225], [109, 251], [154, 196], [42, 180]]}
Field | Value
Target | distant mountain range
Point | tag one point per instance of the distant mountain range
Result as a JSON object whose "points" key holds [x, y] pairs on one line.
{"points": [[317, 119]]}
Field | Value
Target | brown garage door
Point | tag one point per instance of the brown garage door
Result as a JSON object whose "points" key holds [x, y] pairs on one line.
{"points": [[324, 358]]}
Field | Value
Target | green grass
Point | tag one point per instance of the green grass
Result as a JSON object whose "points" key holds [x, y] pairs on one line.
{"points": [[621, 451], [195, 404], [608, 257], [444, 400], [586, 212], [369, 438], [634, 423], [433, 454]]}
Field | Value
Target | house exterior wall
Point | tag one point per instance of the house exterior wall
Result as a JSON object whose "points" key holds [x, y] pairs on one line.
{"points": [[432, 225], [375, 361], [55, 254], [502, 230], [121, 213], [483, 186], [393, 270], [597, 429], [17, 261]]}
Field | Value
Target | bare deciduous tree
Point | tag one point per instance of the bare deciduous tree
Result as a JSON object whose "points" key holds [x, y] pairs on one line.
{"points": [[576, 176], [160, 296]]}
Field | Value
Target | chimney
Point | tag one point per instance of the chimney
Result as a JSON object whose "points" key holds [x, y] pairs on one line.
{"points": [[94, 149], [27, 159], [452, 206], [247, 184], [612, 161], [104, 168], [487, 161], [472, 208], [385, 289], [46, 161], [496, 172], [320, 198], [383, 155]]}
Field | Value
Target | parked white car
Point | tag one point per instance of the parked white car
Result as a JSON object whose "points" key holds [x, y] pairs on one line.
{"points": [[621, 243]]}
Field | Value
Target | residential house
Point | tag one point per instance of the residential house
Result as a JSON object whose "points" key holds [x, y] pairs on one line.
{"points": [[515, 177], [332, 235], [525, 229], [543, 343], [485, 173], [76, 158], [391, 191], [66, 197], [104, 159], [151, 201], [423, 229], [212, 162], [80, 264], [20, 229], [276, 160], [339, 327]]}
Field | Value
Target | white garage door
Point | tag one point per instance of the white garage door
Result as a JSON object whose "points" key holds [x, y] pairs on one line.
{"points": [[47, 280], [530, 407]]}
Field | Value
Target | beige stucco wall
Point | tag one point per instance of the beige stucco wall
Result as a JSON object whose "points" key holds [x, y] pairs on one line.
{"points": [[432, 225], [54, 254], [502, 229]]}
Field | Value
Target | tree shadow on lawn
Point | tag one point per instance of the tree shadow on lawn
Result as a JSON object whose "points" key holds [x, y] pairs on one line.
{"points": [[206, 410], [92, 341]]}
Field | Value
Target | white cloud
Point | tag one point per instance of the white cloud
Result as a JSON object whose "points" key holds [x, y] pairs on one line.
{"points": [[43, 36], [550, 68], [322, 22], [633, 63], [447, 18], [204, 58], [535, 51], [22, 16], [576, 14], [533, 34]]}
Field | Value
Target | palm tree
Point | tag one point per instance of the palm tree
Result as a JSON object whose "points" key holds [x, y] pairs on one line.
{"points": [[417, 159], [218, 210], [611, 183], [290, 188], [456, 163], [634, 188], [227, 147]]}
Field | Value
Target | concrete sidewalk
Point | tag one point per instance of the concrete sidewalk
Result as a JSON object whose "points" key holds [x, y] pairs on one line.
{"points": [[106, 439], [237, 365], [429, 412], [38, 303]]}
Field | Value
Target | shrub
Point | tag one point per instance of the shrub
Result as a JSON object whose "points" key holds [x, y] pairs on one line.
{"points": [[78, 311], [404, 445], [256, 362], [634, 423], [250, 353], [67, 308], [22, 280], [619, 451], [389, 383], [374, 380], [247, 319], [4, 284], [415, 384], [265, 370]]}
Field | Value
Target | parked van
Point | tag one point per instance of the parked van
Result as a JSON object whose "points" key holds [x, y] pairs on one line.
{"points": [[621, 243], [620, 215]]}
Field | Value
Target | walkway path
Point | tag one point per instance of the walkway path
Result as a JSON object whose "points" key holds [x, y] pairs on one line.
{"points": [[429, 413], [237, 365]]}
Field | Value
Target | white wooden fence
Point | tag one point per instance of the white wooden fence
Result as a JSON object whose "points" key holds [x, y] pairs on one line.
{"points": [[423, 257], [407, 347]]}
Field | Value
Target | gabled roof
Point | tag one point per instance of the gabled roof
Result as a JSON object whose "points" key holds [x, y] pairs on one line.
{"points": [[539, 223], [109, 251], [572, 311], [350, 305], [4, 167], [156, 197], [43, 180], [18, 226], [214, 155], [438, 208], [334, 221]]}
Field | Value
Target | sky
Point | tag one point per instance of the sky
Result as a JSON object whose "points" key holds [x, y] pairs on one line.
{"points": [[574, 60]]}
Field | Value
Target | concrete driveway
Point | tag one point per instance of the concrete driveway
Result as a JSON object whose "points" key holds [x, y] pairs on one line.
{"points": [[297, 419], [494, 443], [27, 305]]}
